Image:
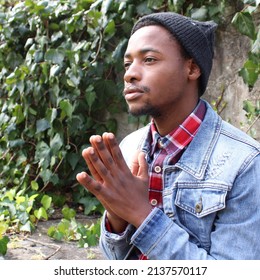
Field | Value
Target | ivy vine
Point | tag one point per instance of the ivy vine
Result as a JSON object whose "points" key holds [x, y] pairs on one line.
{"points": [[61, 82]]}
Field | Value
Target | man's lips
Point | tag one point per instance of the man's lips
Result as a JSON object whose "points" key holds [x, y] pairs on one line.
{"points": [[132, 92]]}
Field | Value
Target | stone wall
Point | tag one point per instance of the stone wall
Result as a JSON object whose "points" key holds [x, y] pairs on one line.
{"points": [[225, 83]]}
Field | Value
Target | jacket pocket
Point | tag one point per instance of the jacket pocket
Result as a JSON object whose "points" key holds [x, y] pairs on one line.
{"points": [[200, 201]]}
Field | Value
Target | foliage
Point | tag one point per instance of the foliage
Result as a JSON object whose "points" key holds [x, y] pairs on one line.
{"points": [[61, 81], [69, 229], [21, 211], [252, 115], [244, 22], [3, 239]]}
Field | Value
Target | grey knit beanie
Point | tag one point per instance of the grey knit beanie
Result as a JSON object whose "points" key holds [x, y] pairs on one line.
{"points": [[197, 38]]}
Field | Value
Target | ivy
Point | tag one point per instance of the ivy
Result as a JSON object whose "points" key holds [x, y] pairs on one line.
{"points": [[245, 24], [61, 82], [69, 229]]}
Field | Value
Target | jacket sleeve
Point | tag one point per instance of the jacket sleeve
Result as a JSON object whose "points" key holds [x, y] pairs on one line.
{"points": [[115, 246], [235, 233]]}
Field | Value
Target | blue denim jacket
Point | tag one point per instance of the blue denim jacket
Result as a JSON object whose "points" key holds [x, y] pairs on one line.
{"points": [[211, 200]]}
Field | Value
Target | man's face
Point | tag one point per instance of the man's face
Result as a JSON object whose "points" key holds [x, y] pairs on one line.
{"points": [[156, 74]]}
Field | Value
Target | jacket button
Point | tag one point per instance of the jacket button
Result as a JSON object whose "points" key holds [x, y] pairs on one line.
{"points": [[198, 207]]}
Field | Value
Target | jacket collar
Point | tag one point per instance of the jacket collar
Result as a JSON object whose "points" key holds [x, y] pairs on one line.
{"points": [[195, 159]]}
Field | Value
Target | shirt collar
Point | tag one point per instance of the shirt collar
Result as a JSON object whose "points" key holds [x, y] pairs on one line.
{"points": [[180, 137]]}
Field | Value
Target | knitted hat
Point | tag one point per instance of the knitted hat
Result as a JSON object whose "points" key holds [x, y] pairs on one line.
{"points": [[197, 38]]}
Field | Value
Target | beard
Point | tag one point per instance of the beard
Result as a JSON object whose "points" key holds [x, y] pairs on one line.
{"points": [[146, 110]]}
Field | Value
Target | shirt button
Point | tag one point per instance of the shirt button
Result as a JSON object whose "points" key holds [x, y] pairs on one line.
{"points": [[154, 202], [157, 169], [160, 144]]}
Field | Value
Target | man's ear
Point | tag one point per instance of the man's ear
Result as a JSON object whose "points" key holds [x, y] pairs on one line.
{"points": [[194, 70]]}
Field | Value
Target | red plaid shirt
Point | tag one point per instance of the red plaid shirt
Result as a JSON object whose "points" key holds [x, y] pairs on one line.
{"points": [[167, 150]]}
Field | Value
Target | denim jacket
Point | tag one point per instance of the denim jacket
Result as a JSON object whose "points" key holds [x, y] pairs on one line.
{"points": [[211, 200]]}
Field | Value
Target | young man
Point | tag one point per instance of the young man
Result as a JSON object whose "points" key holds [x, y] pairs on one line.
{"points": [[193, 187]]}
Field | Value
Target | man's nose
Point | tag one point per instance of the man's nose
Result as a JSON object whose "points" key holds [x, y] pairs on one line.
{"points": [[132, 73]]}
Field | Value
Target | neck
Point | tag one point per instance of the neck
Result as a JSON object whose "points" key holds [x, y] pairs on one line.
{"points": [[168, 121]]}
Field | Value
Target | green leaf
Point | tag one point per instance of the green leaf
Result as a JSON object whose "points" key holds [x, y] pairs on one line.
{"points": [[51, 231], [42, 151], [248, 107], [67, 108], [3, 245], [55, 70], [46, 201], [105, 6], [256, 44], [16, 143], [73, 81], [250, 72], [38, 56], [56, 36], [11, 79], [3, 228], [110, 28], [119, 50], [90, 96], [56, 143], [68, 213], [89, 203], [63, 226], [51, 114], [41, 213], [46, 175], [34, 185], [54, 56], [42, 125], [18, 113], [27, 227], [243, 21], [73, 159], [200, 13]]}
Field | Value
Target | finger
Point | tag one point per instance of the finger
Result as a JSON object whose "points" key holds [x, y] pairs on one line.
{"points": [[98, 167], [143, 166], [87, 182], [134, 167], [113, 147], [102, 150], [86, 155]]}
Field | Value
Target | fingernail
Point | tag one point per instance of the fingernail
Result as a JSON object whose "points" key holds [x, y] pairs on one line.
{"points": [[111, 136]]}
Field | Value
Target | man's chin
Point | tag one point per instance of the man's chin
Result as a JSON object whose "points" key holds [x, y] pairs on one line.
{"points": [[146, 111]]}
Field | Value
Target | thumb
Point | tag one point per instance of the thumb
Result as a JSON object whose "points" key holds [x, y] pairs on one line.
{"points": [[143, 166], [135, 164]]}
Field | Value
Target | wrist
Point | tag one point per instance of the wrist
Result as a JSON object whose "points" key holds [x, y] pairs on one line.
{"points": [[115, 224], [140, 218]]}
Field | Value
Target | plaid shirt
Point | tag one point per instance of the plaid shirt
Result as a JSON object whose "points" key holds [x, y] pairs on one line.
{"points": [[165, 151]]}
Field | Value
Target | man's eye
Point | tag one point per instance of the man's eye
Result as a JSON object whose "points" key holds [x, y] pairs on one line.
{"points": [[150, 59], [127, 64]]}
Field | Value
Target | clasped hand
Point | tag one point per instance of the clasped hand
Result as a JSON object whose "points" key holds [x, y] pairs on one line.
{"points": [[121, 190]]}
